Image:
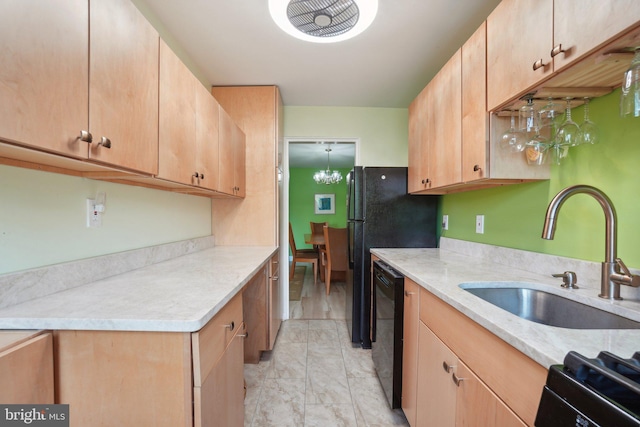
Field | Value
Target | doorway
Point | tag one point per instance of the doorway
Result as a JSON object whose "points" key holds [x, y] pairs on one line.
{"points": [[302, 158]]}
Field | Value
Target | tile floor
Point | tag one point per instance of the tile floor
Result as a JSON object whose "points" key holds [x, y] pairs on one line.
{"points": [[314, 376]]}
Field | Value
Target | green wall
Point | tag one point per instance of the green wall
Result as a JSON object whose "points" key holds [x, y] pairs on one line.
{"points": [[302, 189], [514, 215]]}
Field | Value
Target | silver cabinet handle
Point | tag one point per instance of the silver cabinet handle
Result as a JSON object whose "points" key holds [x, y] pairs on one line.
{"points": [[557, 50], [231, 326], [538, 64], [447, 368], [476, 168], [456, 380], [105, 142], [408, 294], [85, 136]]}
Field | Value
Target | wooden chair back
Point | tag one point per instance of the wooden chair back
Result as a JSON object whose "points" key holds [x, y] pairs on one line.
{"points": [[316, 227], [335, 253]]}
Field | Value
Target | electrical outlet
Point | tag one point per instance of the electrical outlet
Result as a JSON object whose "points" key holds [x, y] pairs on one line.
{"points": [[94, 217], [480, 224], [445, 222]]}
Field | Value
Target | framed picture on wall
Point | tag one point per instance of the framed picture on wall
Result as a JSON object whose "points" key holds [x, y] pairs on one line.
{"points": [[325, 204]]}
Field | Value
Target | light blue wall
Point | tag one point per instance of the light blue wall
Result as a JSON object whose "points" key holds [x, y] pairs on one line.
{"points": [[43, 218]]}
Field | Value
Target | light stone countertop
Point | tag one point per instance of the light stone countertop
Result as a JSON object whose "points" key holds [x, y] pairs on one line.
{"points": [[178, 295], [441, 271]]}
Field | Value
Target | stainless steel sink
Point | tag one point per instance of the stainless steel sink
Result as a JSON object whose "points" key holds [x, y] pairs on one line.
{"points": [[550, 309]]}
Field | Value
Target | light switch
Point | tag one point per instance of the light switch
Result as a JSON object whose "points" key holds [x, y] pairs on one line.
{"points": [[480, 224]]}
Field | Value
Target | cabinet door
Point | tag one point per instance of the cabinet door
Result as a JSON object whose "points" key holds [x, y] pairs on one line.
{"points": [[220, 399], [177, 133], [207, 123], [26, 372], [477, 406], [445, 152], [418, 167], [239, 172], [226, 159], [582, 25], [410, 349], [44, 53], [436, 390], [474, 107], [123, 86], [519, 33], [256, 316], [275, 306]]}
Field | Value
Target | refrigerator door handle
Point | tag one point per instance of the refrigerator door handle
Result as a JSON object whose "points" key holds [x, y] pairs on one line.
{"points": [[350, 226]]}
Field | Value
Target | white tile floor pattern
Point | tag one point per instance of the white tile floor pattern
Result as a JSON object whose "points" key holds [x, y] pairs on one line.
{"points": [[315, 377]]}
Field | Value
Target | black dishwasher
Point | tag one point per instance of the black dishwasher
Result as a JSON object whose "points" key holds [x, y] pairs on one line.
{"points": [[386, 347]]}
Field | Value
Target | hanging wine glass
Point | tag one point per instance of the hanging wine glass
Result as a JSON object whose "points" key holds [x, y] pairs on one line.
{"points": [[528, 118], [551, 115], [537, 148], [513, 140], [557, 153], [630, 91], [589, 133], [569, 130]]}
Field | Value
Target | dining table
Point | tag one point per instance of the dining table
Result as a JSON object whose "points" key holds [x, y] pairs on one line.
{"points": [[314, 239]]}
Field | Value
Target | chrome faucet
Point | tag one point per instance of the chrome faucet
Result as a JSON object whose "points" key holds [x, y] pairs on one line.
{"points": [[614, 272]]}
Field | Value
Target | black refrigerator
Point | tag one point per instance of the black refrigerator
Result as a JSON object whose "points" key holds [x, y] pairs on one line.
{"points": [[380, 214]]}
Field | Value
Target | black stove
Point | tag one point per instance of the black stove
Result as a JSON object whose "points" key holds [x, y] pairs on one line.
{"points": [[600, 392]]}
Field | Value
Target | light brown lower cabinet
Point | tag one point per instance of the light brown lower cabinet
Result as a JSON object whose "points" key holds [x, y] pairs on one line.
{"points": [[26, 367], [450, 394], [410, 349], [129, 378], [457, 373]]}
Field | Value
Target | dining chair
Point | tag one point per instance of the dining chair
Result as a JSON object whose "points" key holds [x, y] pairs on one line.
{"points": [[316, 227], [303, 256], [334, 254]]}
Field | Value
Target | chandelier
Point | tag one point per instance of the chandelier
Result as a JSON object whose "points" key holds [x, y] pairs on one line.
{"points": [[326, 176]]}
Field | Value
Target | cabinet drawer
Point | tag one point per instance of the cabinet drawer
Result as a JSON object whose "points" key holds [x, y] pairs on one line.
{"points": [[209, 343]]}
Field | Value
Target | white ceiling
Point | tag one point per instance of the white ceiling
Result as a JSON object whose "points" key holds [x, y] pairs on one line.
{"points": [[312, 154], [235, 42]]}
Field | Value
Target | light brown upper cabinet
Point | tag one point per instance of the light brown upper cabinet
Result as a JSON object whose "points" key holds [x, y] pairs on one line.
{"points": [[177, 119], [83, 69], [528, 42], [44, 101], [418, 170], [123, 89], [258, 110], [435, 132], [582, 25], [475, 120], [189, 126], [444, 125], [207, 137], [232, 157], [519, 38]]}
